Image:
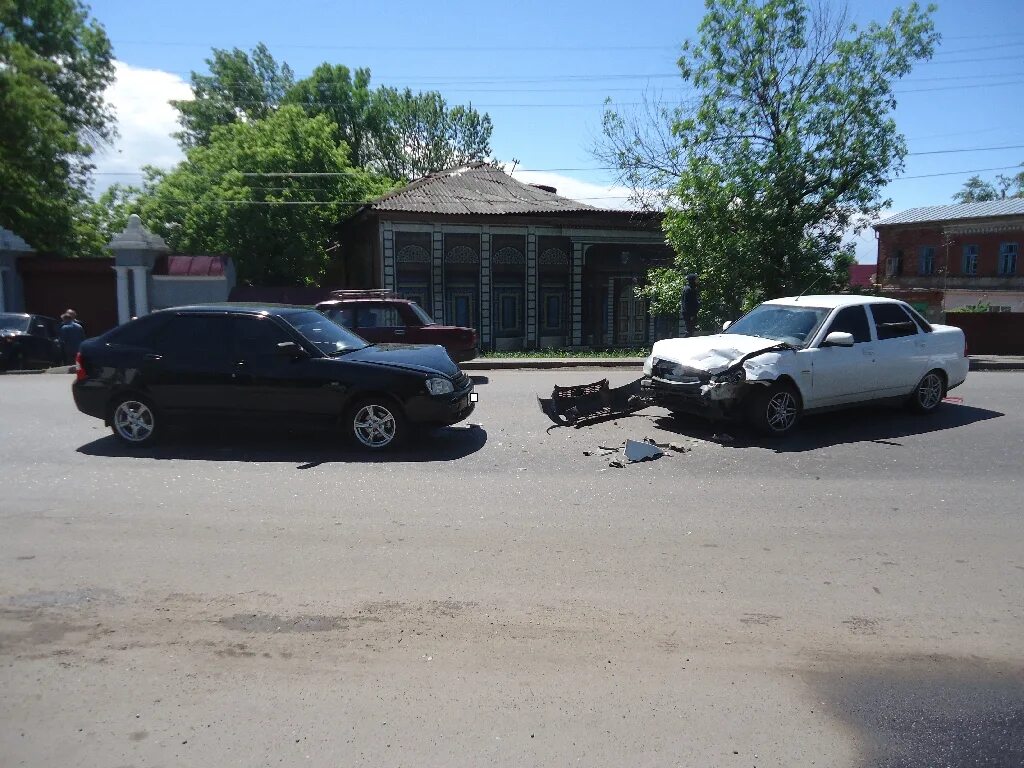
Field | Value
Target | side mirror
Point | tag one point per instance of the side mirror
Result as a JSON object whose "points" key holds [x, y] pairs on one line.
{"points": [[726, 324], [291, 350], [838, 339]]}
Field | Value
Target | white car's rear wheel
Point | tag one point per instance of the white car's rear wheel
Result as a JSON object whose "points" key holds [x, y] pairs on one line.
{"points": [[929, 392]]}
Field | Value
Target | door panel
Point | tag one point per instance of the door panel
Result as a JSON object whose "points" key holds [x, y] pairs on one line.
{"points": [[189, 367], [267, 384], [380, 323], [899, 350], [845, 374]]}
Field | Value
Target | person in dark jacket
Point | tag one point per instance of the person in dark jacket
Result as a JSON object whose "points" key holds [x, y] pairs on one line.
{"points": [[691, 305], [71, 336]]}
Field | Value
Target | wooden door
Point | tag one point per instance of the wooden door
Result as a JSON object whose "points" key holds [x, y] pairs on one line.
{"points": [[630, 318]]}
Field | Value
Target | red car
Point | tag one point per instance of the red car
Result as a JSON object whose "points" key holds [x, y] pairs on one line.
{"points": [[383, 317]]}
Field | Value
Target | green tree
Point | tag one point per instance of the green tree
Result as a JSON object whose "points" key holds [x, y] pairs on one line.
{"points": [[418, 133], [976, 190], [241, 87], [344, 97], [225, 197], [399, 133], [785, 147], [55, 64]]}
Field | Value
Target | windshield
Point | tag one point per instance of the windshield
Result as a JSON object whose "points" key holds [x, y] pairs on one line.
{"points": [[327, 336], [421, 313], [791, 324], [14, 323]]}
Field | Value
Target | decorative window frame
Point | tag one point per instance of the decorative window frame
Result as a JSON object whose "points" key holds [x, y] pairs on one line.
{"points": [[508, 256], [412, 254], [462, 254], [554, 257], [969, 263]]}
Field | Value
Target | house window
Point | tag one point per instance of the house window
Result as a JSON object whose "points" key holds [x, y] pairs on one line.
{"points": [[553, 303], [509, 317], [926, 261], [970, 265], [894, 264], [1008, 258]]}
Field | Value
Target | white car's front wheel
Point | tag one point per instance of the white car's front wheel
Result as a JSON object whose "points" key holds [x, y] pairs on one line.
{"points": [[774, 410], [929, 392]]}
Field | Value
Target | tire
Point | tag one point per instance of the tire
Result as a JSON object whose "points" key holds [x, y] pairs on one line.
{"points": [[135, 421], [929, 392], [774, 410], [376, 424]]}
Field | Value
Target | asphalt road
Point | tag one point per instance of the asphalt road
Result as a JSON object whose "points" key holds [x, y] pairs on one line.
{"points": [[850, 596]]}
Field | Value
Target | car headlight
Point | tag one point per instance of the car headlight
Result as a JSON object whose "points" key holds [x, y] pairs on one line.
{"points": [[440, 386]]}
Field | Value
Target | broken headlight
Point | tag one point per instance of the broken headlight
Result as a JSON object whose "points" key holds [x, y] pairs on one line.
{"points": [[732, 376]]}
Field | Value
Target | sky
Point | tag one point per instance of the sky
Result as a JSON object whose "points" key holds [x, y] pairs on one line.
{"points": [[542, 70]]}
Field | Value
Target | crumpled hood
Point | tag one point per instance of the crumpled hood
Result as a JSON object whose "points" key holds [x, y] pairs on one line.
{"points": [[423, 358], [709, 353]]}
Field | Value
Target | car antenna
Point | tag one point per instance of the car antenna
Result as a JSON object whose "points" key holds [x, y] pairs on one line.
{"points": [[805, 290]]}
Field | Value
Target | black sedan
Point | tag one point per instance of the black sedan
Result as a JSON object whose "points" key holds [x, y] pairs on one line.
{"points": [[263, 364], [28, 341]]}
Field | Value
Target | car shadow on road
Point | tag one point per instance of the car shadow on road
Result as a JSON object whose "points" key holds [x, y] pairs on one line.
{"points": [[306, 449], [868, 424]]}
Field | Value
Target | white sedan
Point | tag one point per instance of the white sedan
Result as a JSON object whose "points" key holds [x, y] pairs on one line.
{"points": [[808, 353]]}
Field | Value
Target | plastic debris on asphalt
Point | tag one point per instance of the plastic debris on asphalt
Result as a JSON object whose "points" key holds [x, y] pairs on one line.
{"points": [[637, 451]]}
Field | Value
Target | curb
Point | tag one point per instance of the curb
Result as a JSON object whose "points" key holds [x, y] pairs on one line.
{"points": [[995, 364]]}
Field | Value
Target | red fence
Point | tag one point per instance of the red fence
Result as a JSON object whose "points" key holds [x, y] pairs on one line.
{"points": [[991, 333]]}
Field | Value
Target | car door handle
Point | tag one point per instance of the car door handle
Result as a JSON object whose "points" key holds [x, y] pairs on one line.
{"points": [[399, 331]]}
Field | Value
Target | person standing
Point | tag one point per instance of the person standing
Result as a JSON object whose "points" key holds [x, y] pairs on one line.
{"points": [[691, 305], [71, 336]]}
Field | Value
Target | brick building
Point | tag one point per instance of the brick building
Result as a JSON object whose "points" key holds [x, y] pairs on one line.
{"points": [[945, 257]]}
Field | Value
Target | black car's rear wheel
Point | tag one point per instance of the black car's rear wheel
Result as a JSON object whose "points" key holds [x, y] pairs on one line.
{"points": [[134, 420], [377, 424]]}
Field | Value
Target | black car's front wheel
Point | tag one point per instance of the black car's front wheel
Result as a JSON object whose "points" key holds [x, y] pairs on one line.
{"points": [[377, 424], [134, 420]]}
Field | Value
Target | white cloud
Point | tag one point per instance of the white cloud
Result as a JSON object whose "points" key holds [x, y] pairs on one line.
{"points": [[145, 121], [599, 195]]}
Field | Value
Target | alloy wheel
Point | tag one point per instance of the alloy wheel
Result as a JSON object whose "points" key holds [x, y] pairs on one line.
{"points": [[782, 411], [134, 421], [374, 426], [929, 392]]}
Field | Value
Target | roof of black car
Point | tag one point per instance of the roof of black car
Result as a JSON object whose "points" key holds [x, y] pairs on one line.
{"points": [[238, 308]]}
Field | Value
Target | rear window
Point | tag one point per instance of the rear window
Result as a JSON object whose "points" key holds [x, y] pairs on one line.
{"points": [[137, 333], [892, 321]]}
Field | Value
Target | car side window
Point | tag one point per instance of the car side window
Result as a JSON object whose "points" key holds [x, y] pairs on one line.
{"points": [[892, 321], [38, 328], [343, 316], [852, 320], [379, 316], [195, 339], [256, 338]]}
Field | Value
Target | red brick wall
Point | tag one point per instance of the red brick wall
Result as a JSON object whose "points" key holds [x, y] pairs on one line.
{"points": [[911, 239], [991, 333]]}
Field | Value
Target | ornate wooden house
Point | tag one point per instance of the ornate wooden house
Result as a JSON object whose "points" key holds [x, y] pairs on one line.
{"points": [[525, 266]]}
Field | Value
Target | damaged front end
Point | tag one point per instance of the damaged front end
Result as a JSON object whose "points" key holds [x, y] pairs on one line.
{"points": [[685, 389]]}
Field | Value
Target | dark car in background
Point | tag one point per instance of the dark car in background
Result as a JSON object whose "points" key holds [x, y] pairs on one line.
{"points": [[264, 364], [28, 341], [383, 316]]}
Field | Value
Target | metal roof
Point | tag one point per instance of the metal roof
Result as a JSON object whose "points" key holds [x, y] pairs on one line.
{"points": [[478, 188], [1013, 206]]}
